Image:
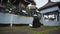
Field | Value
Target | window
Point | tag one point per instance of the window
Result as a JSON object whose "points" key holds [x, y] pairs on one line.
{"points": [[52, 16]]}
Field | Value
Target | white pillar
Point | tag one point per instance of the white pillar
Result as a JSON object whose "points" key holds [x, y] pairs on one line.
{"points": [[42, 18], [59, 14], [11, 19], [11, 25], [56, 17]]}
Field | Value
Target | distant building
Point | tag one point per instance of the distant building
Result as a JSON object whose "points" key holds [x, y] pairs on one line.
{"points": [[50, 14], [11, 18]]}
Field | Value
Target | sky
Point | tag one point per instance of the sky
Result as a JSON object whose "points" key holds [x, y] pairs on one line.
{"points": [[40, 3]]}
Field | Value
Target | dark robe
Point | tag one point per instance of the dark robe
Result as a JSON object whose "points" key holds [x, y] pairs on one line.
{"points": [[36, 22]]}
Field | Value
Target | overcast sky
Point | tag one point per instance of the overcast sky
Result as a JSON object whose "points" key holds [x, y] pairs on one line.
{"points": [[40, 3]]}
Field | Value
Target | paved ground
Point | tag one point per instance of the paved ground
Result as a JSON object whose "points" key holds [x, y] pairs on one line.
{"points": [[25, 30], [18, 32], [55, 32]]}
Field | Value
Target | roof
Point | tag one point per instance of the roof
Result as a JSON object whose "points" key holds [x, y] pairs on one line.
{"points": [[48, 5], [2, 7]]}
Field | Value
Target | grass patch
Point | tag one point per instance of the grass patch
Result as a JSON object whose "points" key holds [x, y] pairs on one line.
{"points": [[40, 30], [48, 30]]}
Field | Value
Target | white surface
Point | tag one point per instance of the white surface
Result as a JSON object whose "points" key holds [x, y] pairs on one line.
{"points": [[30, 25], [50, 22], [55, 0], [14, 19], [31, 6], [35, 15], [24, 11], [41, 3]]}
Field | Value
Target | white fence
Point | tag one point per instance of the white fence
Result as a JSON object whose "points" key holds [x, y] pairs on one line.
{"points": [[14, 19]]}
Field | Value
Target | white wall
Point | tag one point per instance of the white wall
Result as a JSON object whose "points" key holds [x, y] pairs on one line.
{"points": [[49, 23], [14, 19]]}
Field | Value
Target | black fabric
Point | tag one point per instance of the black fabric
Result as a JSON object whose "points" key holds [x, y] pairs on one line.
{"points": [[36, 22]]}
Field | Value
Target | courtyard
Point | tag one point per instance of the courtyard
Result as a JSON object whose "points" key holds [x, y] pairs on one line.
{"points": [[29, 30]]}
